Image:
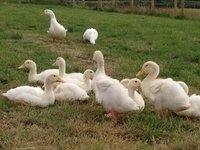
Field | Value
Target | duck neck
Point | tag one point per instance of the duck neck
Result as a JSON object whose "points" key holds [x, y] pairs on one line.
{"points": [[100, 67], [153, 75], [131, 91], [52, 16], [62, 69], [53, 19], [86, 80], [48, 87], [32, 73]]}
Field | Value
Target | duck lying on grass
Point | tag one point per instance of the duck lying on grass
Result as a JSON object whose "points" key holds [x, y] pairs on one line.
{"points": [[34, 96], [86, 84], [60, 62], [33, 76], [69, 92], [194, 109]]}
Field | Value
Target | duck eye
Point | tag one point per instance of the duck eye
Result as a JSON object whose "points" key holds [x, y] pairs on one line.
{"points": [[146, 65], [28, 62], [54, 75]]}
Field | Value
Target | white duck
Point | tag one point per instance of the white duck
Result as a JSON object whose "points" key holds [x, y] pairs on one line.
{"points": [[184, 86], [34, 96], [90, 35], [100, 72], [166, 94], [60, 62], [56, 30], [69, 92], [133, 85], [86, 84], [33, 76], [115, 98], [194, 109]]}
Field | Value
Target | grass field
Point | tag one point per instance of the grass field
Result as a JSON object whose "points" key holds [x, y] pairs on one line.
{"points": [[127, 41]]}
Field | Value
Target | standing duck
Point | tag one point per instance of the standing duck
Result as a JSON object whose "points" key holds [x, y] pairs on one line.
{"points": [[90, 35], [99, 74], [115, 98], [56, 30]]}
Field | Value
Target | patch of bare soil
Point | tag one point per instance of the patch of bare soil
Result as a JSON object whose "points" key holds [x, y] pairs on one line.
{"points": [[65, 47]]}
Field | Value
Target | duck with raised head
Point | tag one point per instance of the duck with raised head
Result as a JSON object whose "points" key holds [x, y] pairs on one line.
{"points": [[133, 85], [56, 30], [166, 94], [33, 75], [99, 74], [34, 96], [60, 62]]}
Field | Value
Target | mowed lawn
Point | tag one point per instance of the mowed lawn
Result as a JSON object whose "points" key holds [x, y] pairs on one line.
{"points": [[127, 41]]}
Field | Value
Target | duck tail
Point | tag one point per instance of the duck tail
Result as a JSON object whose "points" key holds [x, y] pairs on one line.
{"points": [[184, 108], [4, 94]]}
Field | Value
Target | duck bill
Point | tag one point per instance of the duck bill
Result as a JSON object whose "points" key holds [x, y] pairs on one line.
{"points": [[60, 80], [54, 64], [141, 72], [21, 66], [42, 14]]}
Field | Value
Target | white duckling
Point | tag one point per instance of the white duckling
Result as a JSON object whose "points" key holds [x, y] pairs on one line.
{"points": [[194, 109], [33, 76], [69, 92], [56, 30], [60, 62], [34, 96], [115, 98], [166, 94], [90, 35], [86, 84], [100, 72], [133, 85]]}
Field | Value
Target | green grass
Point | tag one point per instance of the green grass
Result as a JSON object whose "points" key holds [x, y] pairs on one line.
{"points": [[127, 41]]}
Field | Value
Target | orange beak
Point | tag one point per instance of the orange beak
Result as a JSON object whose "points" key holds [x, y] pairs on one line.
{"points": [[42, 14], [21, 66], [54, 64], [141, 72], [60, 80]]}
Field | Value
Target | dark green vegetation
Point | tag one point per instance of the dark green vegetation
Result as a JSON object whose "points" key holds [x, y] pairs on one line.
{"points": [[127, 42]]}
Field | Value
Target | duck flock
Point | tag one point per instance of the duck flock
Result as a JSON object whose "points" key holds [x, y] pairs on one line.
{"points": [[167, 95]]}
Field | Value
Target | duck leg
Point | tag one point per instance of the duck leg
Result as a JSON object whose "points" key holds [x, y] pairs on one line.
{"points": [[21, 102], [114, 115], [54, 39], [161, 113], [164, 113]]}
